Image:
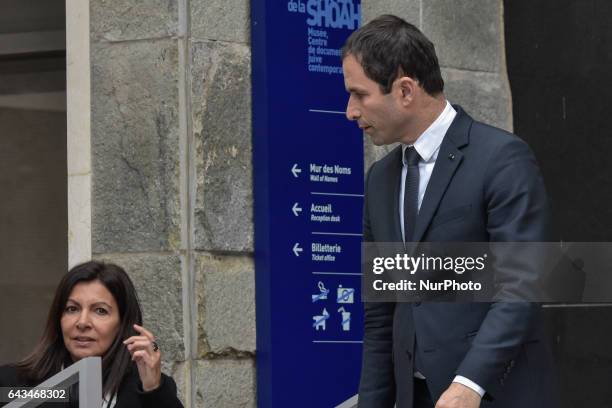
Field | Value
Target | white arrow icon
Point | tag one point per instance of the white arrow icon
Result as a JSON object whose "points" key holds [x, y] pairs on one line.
{"points": [[295, 170], [297, 249], [296, 209]]}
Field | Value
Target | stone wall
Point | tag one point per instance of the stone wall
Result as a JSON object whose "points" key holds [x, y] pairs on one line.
{"points": [[171, 163], [171, 181]]}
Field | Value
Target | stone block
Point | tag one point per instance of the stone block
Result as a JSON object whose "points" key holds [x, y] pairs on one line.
{"points": [[467, 34], [225, 290], [373, 153], [225, 383], [409, 10], [158, 282], [221, 100], [485, 96], [221, 20], [181, 375], [135, 144], [120, 20]]}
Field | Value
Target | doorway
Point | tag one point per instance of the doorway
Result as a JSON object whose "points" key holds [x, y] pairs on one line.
{"points": [[559, 59], [33, 168]]}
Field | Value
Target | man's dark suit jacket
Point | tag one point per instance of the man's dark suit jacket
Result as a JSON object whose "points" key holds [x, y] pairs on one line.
{"points": [[485, 186], [130, 392]]}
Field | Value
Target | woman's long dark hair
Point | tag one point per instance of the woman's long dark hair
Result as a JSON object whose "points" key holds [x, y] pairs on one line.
{"points": [[50, 353]]}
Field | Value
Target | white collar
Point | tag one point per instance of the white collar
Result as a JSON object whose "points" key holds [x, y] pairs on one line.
{"points": [[430, 140]]}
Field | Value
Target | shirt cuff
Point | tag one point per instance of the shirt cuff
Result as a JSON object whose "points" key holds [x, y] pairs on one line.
{"points": [[470, 384]]}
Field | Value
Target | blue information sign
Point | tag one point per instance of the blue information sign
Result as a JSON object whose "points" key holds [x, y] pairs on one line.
{"points": [[308, 169]]}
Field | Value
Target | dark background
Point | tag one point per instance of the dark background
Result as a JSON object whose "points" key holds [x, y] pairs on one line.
{"points": [[33, 169], [559, 65]]}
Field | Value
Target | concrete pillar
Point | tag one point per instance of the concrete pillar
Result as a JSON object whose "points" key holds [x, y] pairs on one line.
{"points": [[171, 181]]}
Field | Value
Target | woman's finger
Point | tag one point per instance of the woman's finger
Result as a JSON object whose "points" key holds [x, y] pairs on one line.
{"points": [[144, 332], [136, 338], [140, 355], [141, 345], [149, 361]]}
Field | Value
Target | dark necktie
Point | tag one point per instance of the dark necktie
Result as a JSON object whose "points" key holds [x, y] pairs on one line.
{"points": [[411, 209], [411, 192]]}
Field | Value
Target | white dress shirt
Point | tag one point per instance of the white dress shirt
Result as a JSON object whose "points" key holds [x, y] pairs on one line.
{"points": [[427, 146]]}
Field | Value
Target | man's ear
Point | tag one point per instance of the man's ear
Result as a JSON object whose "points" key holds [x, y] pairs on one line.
{"points": [[407, 89]]}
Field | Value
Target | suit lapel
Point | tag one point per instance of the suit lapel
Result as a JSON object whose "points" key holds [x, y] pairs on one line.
{"points": [[449, 158]]}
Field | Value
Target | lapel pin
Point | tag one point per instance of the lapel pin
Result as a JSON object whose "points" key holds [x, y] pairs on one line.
{"points": [[451, 156]]}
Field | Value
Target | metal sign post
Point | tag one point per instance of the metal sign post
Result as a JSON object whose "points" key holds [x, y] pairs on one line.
{"points": [[308, 176]]}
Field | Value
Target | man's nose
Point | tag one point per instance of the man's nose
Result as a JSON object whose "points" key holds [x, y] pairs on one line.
{"points": [[352, 112]]}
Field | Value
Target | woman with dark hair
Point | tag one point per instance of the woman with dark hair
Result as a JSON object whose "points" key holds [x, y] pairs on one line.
{"points": [[96, 312]]}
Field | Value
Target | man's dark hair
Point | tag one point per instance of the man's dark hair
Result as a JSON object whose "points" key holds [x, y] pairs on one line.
{"points": [[388, 47]]}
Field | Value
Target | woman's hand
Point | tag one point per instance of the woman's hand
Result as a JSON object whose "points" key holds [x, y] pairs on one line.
{"points": [[146, 354]]}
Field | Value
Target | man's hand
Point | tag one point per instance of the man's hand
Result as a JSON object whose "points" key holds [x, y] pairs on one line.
{"points": [[459, 396]]}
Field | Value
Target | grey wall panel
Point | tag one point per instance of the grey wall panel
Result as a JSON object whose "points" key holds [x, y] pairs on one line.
{"points": [[33, 222]]}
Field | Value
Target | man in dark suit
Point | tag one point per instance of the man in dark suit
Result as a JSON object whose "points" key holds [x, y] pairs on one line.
{"points": [[451, 179]]}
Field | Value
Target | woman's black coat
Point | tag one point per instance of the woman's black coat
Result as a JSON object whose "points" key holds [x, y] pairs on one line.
{"points": [[130, 393]]}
